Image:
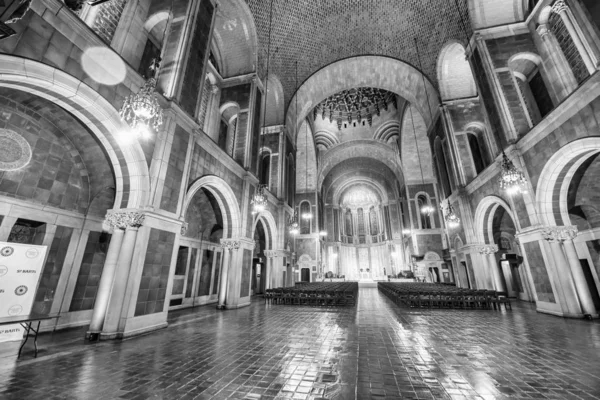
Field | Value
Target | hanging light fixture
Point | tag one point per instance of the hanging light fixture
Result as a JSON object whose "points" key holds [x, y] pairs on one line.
{"points": [[259, 200], [293, 225], [427, 209], [307, 215], [452, 220], [323, 233], [141, 110], [406, 231], [511, 178]]}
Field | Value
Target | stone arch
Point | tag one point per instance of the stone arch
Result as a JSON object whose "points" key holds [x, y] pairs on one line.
{"points": [[387, 131], [553, 183], [235, 39], [326, 140], [270, 226], [126, 156], [454, 73], [359, 148], [400, 78], [484, 217], [273, 102], [225, 198], [376, 186]]}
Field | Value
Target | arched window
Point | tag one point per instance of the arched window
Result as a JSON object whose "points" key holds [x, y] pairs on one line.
{"points": [[373, 221], [565, 41], [536, 99], [291, 178], [361, 222], [478, 159], [424, 218], [265, 169], [442, 167], [305, 222], [223, 129], [348, 223]]}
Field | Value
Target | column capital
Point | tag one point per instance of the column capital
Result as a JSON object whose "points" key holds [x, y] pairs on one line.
{"points": [[214, 89], [124, 219], [270, 253], [184, 228], [230, 244], [488, 249], [542, 30], [560, 233], [559, 7]]}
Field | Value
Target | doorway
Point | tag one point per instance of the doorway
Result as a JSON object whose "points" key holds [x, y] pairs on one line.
{"points": [[305, 275]]}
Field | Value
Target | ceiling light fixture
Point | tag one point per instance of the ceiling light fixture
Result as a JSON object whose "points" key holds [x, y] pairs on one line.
{"points": [[259, 200], [511, 179], [452, 220], [293, 224]]}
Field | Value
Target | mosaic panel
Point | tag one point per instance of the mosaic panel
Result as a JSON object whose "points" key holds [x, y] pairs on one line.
{"points": [[90, 271]]}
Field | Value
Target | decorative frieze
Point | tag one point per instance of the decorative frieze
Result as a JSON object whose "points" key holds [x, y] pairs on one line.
{"points": [[124, 219], [559, 233], [488, 249], [270, 253], [230, 244]]}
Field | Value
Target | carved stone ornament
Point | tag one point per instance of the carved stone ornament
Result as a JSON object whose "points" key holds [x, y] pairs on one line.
{"points": [[125, 219], [560, 233], [542, 30], [15, 151], [559, 7], [488, 249], [270, 253], [184, 228], [230, 244]]}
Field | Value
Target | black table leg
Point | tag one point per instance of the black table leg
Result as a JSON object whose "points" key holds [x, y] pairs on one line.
{"points": [[26, 325], [36, 331]]}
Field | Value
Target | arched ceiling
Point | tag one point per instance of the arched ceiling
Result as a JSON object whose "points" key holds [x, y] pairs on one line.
{"points": [[359, 171], [320, 32]]}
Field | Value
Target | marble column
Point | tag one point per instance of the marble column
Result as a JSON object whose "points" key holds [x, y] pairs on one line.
{"points": [[108, 273], [559, 64], [489, 254], [562, 9], [116, 297], [270, 256], [228, 245], [566, 235], [555, 236]]}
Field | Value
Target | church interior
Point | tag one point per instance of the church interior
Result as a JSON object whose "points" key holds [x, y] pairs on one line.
{"points": [[310, 199]]}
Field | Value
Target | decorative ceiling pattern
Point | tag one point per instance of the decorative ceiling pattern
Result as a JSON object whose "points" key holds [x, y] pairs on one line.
{"points": [[359, 196], [354, 105], [319, 32]]}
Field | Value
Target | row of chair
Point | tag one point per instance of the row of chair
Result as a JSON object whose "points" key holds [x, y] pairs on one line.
{"points": [[443, 296], [315, 294]]}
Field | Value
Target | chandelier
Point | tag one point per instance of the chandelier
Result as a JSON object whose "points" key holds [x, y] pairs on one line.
{"points": [[142, 110], [427, 209], [452, 220], [259, 200], [293, 224], [323, 233], [511, 178]]}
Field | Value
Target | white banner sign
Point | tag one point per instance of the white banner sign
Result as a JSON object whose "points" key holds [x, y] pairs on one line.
{"points": [[21, 266]]}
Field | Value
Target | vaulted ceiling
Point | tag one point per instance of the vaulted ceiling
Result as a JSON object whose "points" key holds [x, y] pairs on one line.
{"points": [[319, 32]]}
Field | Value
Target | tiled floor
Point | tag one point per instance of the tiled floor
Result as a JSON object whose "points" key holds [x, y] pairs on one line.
{"points": [[375, 350]]}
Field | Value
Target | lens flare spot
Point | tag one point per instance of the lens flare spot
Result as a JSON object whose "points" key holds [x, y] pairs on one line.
{"points": [[103, 65]]}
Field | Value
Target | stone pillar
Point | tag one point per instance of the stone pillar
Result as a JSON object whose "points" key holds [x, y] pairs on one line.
{"points": [[560, 66], [562, 9], [555, 236], [228, 246], [270, 256], [108, 273], [566, 235], [489, 254], [114, 310]]}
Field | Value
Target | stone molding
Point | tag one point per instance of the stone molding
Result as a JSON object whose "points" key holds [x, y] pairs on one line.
{"points": [[270, 253], [559, 7], [236, 243], [542, 30], [560, 233], [488, 249], [125, 219], [184, 228]]}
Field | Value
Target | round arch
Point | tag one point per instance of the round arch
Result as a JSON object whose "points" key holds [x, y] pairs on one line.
{"points": [[268, 221], [359, 148], [95, 112], [387, 131], [484, 216], [553, 183], [488, 13], [225, 198], [454, 73], [400, 78], [375, 186]]}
